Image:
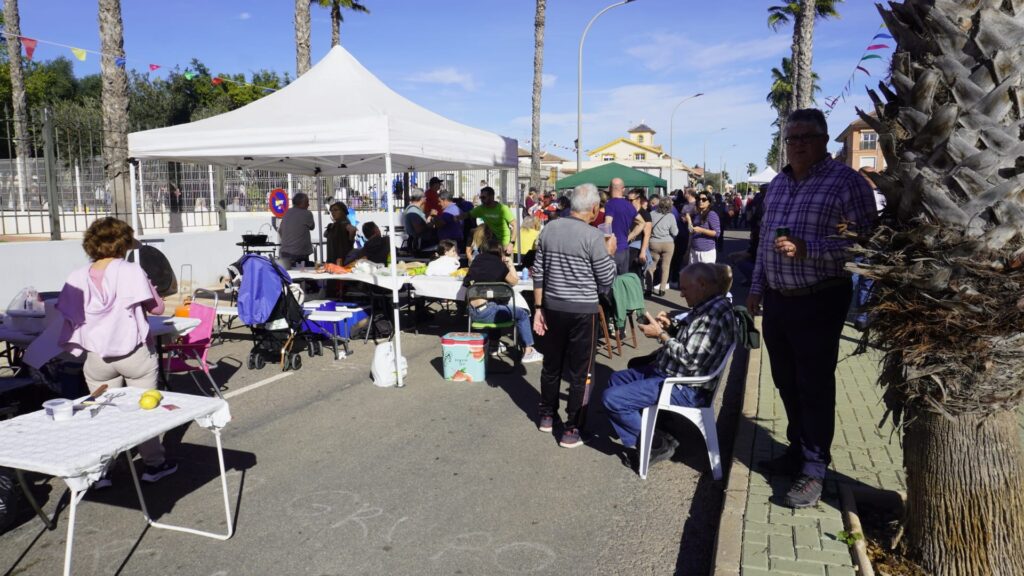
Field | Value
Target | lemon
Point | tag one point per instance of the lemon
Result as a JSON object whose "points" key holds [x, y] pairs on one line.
{"points": [[155, 394], [148, 402]]}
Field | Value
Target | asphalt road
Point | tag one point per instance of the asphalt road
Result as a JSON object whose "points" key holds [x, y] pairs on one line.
{"points": [[330, 475]]}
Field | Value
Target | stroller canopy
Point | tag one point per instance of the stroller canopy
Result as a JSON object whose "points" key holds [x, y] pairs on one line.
{"points": [[263, 282]]}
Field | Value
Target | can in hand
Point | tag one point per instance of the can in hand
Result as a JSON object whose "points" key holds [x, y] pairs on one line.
{"points": [[782, 231]]}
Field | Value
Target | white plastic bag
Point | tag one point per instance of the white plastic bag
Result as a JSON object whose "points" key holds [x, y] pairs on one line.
{"points": [[383, 367], [26, 313], [28, 300]]}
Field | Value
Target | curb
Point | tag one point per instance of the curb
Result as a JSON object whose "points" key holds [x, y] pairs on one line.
{"points": [[729, 542]]}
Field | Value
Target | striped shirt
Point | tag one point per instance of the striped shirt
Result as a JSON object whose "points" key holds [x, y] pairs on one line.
{"points": [[813, 209], [572, 266], [701, 341]]}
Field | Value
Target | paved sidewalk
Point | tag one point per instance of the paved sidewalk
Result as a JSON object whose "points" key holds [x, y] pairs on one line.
{"points": [[758, 537]]}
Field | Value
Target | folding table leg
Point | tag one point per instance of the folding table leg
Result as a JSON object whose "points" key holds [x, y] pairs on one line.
{"points": [[76, 497], [224, 488]]}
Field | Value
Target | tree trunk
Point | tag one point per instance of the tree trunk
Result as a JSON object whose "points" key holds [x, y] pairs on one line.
{"points": [[804, 87], [794, 76], [12, 25], [301, 37], [335, 25], [115, 108], [782, 158], [965, 487], [538, 80]]}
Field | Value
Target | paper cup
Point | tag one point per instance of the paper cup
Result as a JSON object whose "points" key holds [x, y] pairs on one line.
{"points": [[59, 409]]}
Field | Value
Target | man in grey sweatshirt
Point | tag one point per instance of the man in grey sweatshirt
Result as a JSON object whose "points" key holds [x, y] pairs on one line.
{"points": [[573, 265]]}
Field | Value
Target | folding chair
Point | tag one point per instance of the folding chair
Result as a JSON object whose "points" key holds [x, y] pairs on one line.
{"points": [[703, 417], [500, 293], [195, 345]]}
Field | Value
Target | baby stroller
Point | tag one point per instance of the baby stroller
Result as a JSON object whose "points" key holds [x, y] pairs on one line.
{"points": [[271, 306]]}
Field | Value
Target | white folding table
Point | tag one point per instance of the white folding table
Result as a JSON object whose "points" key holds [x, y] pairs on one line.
{"points": [[80, 450]]}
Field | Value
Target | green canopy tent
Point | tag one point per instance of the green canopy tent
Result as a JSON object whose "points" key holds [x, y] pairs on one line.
{"points": [[603, 174]]}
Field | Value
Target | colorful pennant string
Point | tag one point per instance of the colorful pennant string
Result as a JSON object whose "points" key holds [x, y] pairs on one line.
{"points": [[870, 53], [217, 81], [154, 67], [30, 46], [79, 53], [119, 62], [189, 74]]}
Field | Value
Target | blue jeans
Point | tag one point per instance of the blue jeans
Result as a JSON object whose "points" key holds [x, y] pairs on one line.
{"points": [[631, 390], [493, 312]]}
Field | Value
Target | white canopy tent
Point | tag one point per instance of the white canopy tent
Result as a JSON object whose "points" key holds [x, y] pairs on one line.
{"points": [[764, 176], [335, 119]]}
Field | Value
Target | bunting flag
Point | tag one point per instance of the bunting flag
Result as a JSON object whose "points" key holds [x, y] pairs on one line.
{"points": [[30, 47], [878, 47], [877, 36], [154, 67], [864, 70], [189, 74], [119, 62], [79, 53], [216, 81], [870, 53], [871, 57]]}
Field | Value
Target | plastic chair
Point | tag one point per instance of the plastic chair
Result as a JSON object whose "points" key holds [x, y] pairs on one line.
{"points": [[194, 346], [501, 293], [703, 417]]}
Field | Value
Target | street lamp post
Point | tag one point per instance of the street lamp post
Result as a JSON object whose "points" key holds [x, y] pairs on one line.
{"points": [[579, 86], [721, 169], [671, 139]]}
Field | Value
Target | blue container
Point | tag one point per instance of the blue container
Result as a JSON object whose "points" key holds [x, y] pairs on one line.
{"points": [[345, 328], [465, 356]]}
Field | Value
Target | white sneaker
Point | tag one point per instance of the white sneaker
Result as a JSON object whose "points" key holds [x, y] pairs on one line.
{"points": [[532, 356]]}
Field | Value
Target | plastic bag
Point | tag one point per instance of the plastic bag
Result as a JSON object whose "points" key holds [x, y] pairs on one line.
{"points": [[383, 368], [29, 300]]}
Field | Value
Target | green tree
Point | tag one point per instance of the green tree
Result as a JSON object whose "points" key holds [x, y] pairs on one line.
{"points": [[538, 81], [336, 7], [947, 265], [751, 169]]}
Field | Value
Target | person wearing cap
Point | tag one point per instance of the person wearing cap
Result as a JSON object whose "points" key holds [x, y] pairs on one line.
{"points": [[432, 204]]}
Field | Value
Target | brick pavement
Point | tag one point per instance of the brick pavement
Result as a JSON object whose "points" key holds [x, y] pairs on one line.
{"points": [[778, 540]]}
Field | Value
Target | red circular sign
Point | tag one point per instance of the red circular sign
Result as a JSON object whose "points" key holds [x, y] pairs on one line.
{"points": [[278, 202]]}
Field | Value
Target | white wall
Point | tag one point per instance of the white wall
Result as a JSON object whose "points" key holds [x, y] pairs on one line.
{"points": [[45, 264]]}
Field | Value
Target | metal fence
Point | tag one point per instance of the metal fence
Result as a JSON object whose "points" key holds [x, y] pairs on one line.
{"points": [[174, 196]]}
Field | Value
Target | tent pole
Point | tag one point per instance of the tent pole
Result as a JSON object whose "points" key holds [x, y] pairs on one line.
{"points": [[519, 217], [135, 209], [394, 275], [318, 252]]}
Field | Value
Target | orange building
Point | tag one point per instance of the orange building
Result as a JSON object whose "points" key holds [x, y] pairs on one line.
{"points": [[860, 147]]}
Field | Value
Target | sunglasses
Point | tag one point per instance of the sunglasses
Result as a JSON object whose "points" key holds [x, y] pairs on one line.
{"points": [[704, 199]]}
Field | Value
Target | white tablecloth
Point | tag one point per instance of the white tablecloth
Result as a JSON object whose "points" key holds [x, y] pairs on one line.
{"points": [[441, 287], [80, 449]]}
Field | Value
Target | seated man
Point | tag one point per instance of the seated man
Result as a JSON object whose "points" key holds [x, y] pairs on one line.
{"points": [[693, 347], [376, 248]]}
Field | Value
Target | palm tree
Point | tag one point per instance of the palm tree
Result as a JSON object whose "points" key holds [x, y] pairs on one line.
{"points": [[780, 98], [948, 268], [302, 26], [115, 107], [538, 78], [12, 26], [802, 13], [336, 17], [751, 169]]}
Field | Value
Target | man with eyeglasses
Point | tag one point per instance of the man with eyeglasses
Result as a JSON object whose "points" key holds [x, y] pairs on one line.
{"points": [[800, 276]]}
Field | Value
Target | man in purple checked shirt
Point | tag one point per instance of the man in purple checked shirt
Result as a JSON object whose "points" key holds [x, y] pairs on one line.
{"points": [[799, 274]]}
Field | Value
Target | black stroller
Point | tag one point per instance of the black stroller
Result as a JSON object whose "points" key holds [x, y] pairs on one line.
{"points": [[271, 305]]}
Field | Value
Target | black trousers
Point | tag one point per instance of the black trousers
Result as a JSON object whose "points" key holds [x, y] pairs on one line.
{"points": [[568, 345], [802, 336]]}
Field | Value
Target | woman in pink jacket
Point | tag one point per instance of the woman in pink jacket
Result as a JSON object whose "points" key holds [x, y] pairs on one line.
{"points": [[104, 306]]}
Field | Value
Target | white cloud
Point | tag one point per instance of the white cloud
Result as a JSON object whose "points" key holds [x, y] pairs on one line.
{"points": [[664, 52], [245, 16], [548, 80], [445, 76]]}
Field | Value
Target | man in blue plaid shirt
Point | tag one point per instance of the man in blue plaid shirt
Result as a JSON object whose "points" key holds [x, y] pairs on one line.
{"points": [[695, 347], [800, 276]]}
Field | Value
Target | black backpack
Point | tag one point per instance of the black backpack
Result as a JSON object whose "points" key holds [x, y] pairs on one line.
{"points": [[748, 335], [158, 268]]}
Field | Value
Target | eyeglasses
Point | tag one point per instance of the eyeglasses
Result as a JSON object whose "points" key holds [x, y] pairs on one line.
{"points": [[704, 199], [803, 138]]}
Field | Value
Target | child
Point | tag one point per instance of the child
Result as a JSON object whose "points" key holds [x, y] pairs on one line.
{"points": [[447, 259]]}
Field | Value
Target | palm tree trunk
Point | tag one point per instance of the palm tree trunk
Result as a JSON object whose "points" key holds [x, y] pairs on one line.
{"points": [[335, 25], [795, 48], [804, 87], [12, 25], [965, 507], [302, 26], [538, 80], [783, 158], [115, 107]]}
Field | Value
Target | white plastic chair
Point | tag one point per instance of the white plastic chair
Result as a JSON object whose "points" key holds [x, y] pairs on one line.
{"points": [[703, 417]]}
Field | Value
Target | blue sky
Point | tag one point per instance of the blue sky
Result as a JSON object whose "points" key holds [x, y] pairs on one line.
{"points": [[472, 60]]}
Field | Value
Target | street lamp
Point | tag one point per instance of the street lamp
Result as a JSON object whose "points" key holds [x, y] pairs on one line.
{"points": [[579, 86], [705, 167], [721, 169], [671, 139]]}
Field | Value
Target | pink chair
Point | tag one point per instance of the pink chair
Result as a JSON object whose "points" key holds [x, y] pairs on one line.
{"points": [[194, 346]]}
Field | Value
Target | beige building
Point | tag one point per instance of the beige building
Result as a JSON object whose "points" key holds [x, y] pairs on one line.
{"points": [[860, 147], [637, 150], [550, 169]]}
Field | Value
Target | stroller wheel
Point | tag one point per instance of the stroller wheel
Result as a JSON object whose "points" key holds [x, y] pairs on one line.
{"points": [[260, 361], [314, 348], [250, 362], [295, 362]]}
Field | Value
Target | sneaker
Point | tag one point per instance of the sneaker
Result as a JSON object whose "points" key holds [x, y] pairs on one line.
{"points": [[804, 493], [663, 449], [532, 356], [499, 350], [102, 483], [571, 438], [785, 465], [154, 473], [545, 423]]}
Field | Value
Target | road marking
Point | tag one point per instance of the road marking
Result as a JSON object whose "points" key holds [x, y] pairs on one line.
{"points": [[256, 385]]}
